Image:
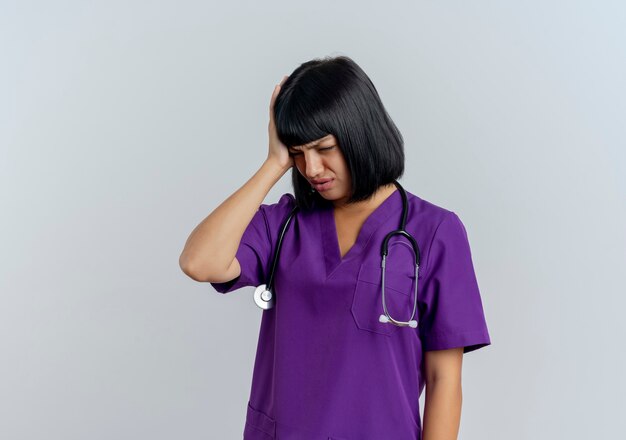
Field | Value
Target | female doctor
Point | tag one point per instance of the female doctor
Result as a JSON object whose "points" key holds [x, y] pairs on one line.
{"points": [[329, 363]]}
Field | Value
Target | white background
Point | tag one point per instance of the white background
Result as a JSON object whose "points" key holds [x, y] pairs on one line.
{"points": [[124, 123]]}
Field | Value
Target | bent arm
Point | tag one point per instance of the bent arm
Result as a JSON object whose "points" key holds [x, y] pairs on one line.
{"points": [[209, 253], [443, 401]]}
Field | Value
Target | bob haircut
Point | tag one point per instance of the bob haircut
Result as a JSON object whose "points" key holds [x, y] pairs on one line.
{"points": [[333, 95]]}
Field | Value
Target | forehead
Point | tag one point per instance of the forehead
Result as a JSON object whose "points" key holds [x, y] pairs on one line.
{"points": [[329, 137]]}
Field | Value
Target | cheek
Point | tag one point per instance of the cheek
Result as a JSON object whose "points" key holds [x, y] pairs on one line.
{"points": [[300, 163]]}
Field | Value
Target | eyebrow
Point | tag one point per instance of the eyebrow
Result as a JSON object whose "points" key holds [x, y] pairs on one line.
{"points": [[314, 144]]}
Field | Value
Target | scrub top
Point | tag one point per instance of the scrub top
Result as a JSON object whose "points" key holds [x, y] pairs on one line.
{"points": [[325, 367]]}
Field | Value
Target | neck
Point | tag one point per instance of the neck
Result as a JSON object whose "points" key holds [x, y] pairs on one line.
{"points": [[367, 205]]}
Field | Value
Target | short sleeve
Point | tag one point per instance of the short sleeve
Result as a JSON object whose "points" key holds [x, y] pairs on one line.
{"points": [[256, 247], [452, 312]]}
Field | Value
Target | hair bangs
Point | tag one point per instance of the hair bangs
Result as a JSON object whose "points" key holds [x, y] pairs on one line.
{"points": [[303, 117]]}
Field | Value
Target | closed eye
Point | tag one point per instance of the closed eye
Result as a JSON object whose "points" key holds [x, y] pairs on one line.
{"points": [[298, 153]]}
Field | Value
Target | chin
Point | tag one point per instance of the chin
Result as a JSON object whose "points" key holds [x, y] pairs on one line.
{"points": [[331, 195]]}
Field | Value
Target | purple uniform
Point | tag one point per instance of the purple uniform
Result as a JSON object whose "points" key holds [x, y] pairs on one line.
{"points": [[325, 367]]}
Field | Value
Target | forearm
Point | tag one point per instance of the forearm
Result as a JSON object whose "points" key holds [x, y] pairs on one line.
{"points": [[442, 409], [212, 245]]}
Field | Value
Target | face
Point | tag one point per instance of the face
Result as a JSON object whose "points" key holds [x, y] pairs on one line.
{"points": [[322, 161]]}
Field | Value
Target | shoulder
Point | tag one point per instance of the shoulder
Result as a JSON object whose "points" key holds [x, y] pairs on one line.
{"points": [[276, 211], [285, 201], [437, 226], [426, 212]]}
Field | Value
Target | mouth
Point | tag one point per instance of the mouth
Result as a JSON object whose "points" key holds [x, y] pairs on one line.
{"points": [[322, 184]]}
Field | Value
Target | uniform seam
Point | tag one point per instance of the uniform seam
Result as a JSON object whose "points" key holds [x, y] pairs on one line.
{"points": [[449, 333], [432, 240], [250, 425], [268, 229]]}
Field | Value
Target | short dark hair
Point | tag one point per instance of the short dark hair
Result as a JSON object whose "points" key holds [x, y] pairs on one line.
{"points": [[333, 95]]}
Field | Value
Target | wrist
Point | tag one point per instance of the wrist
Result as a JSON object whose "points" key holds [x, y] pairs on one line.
{"points": [[275, 167]]}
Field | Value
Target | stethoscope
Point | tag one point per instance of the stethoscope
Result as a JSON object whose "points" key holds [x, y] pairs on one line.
{"points": [[265, 299]]}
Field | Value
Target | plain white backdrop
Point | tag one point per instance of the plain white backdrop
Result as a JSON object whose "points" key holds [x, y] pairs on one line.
{"points": [[124, 123]]}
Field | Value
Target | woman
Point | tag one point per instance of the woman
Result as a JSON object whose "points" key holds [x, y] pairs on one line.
{"points": [[327, 367]]}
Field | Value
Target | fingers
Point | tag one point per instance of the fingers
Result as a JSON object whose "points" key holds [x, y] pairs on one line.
{"points": [[277, 90], [275, 93], [280, 84]]}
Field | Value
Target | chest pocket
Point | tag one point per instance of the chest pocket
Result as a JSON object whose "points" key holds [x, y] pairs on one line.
{"points": [[367, 304]]}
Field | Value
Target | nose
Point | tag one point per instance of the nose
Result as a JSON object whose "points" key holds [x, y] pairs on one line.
{"points": [[314, 166]]}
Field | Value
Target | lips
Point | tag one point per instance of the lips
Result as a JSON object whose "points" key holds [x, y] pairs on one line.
{"points": [[322, 184]]}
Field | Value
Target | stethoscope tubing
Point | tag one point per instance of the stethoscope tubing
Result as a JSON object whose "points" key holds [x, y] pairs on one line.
{"points": [[265, 298]]}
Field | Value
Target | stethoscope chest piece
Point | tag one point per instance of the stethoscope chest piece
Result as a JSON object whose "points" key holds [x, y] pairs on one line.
{"points": [[263, 297]]}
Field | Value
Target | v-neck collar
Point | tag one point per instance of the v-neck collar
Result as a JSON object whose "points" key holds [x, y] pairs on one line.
{"points": [[330, 241]]}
